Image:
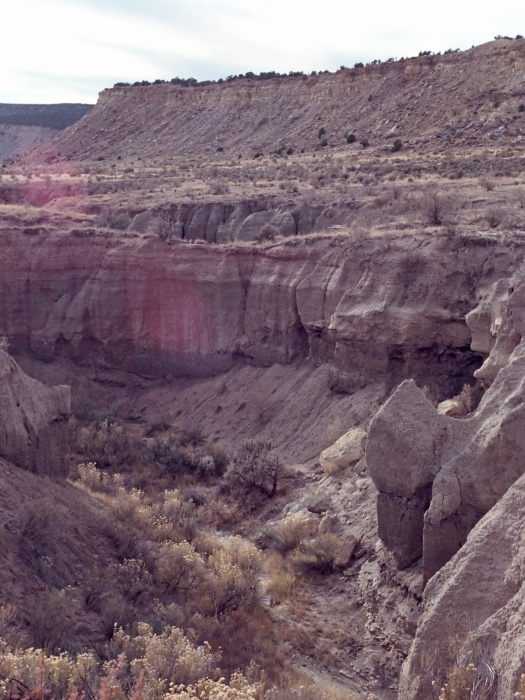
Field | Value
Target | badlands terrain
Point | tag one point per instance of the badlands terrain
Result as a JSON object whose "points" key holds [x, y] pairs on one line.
{"points": [[262, 388]]}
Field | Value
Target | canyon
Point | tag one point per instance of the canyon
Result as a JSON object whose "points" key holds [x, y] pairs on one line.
{"points": [[169, 266]]}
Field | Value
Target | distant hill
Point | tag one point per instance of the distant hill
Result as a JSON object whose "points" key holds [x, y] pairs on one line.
{"points": [[428, 101], [57, 116]]}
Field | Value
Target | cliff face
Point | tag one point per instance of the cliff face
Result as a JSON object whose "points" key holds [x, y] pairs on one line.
{"points": [[375, 310], [34, 432], [410, 98]]}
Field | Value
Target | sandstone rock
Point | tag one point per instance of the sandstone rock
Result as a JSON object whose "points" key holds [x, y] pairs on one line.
{"points": [[373, 313], [347, 450], [347, 552], [34, 417], [474, 606], [250, 227], [450, 407]]}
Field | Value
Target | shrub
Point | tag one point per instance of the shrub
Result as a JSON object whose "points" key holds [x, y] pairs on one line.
{"points": [[396, 146], [179, 567], [494, 217], [290, 532], [351, 138], [364, 143], [317, 555], [321, 132], [255, 467], [268, 232], [521, 108], [233, 576], [324, 142], [48, 619]]}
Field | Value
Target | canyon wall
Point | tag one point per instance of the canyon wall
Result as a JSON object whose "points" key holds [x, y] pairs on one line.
{"points": [[376, 309]]}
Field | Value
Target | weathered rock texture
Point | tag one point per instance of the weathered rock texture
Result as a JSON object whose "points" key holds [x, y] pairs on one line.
{"points": [[248, 116], [34, 432], [347, 450], [436, 475], [376, 310], [473, 607]]}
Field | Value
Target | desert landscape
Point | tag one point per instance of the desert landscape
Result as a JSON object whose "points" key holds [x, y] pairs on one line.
{"points": [[262, 382]]}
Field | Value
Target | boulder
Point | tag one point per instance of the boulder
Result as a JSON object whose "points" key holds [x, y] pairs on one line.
{"points": [[436, 475], [347, 450]]}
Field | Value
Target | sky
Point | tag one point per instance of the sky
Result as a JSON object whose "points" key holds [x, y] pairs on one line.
{"points": [[69, 50]]}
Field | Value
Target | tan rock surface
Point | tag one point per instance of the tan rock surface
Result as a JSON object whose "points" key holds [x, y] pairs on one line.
{"points": [[347, 450], [473, 607]]}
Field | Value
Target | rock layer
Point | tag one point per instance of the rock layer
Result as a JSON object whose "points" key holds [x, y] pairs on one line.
{"points": [[247, 116], [376, 310]]}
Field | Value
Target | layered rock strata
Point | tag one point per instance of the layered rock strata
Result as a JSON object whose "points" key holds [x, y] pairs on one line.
{"points": [[473, 609], [375, 310]]}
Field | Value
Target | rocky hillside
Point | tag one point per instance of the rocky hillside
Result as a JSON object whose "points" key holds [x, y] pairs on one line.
{"points": [[327, 290], [428, 102]]}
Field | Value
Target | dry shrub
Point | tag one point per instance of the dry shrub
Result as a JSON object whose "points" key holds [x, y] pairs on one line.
{"points": [[487, 184], [281, 582], [179, 568], [169, 658], [40, 522], [239, 688], [48, 619], [108, 444], [268, 232], [112, 218], [233, 576], [255, 467], [438, 208], [468, 682], [494, 216], [466, 400], [290, 532], [317, 555]]}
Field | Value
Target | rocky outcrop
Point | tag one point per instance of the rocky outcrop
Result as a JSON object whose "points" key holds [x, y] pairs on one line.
{"points": [[376, 310], [34, 433], [16, 139], [443, 474], [473, 608]]}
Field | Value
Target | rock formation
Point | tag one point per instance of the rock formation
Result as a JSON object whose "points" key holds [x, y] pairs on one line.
{"points": [[443, 474], [34, 417], [374, 311], [473, 607]]}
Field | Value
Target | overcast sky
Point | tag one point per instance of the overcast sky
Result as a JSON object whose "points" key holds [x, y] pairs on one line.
{"points": [[69, 50]]}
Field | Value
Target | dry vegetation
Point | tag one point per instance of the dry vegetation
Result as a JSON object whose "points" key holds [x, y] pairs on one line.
{"points": [[207, 592], [183, 607]]}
